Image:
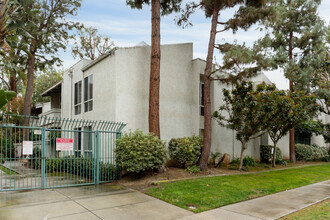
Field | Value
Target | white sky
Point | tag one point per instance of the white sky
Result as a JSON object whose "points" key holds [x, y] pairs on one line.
{"points": [[128, 27]]}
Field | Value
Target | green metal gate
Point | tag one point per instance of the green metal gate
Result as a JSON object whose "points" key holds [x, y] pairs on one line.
{"points": [[43, 152]]}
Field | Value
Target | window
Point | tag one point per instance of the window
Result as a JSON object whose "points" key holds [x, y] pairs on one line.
{"points": [[88, 142], [201, 99], [77, 98], [302, 138], [88, 93], [77, 142]]}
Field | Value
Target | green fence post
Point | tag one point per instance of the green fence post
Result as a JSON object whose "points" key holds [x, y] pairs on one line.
{"points": [[118, 135], [43, 137], [97, 158]]}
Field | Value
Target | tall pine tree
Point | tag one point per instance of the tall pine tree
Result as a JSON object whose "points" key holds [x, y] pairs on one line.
{"points": [[249, 12], [158, 8], [296, 38]]}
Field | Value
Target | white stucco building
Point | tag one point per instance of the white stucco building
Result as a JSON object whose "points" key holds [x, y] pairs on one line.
{"points": [[115, 87]]}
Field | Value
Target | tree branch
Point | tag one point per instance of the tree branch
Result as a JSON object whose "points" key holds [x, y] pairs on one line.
{"points": [[4, 81], [227, 28]]}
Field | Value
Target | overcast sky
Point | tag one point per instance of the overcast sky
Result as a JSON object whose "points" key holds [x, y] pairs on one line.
{"points": [[128, 27]]}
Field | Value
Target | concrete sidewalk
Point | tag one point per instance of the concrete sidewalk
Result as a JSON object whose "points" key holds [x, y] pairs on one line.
{"points": [[269, 207], [106, 201], [110, 201]]}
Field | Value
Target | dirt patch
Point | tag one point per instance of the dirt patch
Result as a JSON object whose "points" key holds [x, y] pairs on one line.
{"points": [[143, 181]]}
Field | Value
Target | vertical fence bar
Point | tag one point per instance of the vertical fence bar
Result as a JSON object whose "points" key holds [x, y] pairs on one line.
{"points": [[43, 135], [97, 162]]}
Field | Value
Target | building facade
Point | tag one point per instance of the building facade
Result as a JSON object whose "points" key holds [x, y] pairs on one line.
{"points": [[115, 87]]}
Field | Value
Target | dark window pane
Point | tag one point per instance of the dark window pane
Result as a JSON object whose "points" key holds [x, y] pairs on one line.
{"points": [[79, 92], [90, 87], [75, 93], [86, 89], [86, 107], [90, 105], [202, 95]]}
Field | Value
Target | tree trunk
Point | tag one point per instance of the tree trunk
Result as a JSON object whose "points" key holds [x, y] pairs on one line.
{"points": [[241, 157], [29, 89], [274, 155], [291, 133], [13, 82], [154, 69], [207, 94]]}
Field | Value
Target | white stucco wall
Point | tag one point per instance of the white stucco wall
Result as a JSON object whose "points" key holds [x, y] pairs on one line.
{"points": [[121, 90], [178, 90]]}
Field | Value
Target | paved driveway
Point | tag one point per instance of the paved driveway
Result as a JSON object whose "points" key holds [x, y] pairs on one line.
{"points": [[105, 201]]}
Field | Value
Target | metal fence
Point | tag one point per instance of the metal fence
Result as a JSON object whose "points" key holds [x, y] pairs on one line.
{"points": [[43, 152]]}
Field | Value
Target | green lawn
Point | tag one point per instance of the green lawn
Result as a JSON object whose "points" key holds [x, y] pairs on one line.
{"points": [[319, 211], [7, 171], [212, 192]]}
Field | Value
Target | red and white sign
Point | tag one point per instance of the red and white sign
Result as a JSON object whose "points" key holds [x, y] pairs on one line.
{"points": [[64, 144]]}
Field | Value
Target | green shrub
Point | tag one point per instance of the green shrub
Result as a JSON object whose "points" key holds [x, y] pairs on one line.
{"points": [[214, 157], [83, 167], [326, 158], [35, 158], [7, 148], [319, 152], [2, 159], [266, 154], [137, 152], [309, 153], [186, 150], [193, 169], [249, 162], [235, 161], [303, 152]]}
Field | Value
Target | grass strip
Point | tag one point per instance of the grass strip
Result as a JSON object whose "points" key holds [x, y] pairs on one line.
{"points": [[318, 211], [213, 192], [7, 171]]}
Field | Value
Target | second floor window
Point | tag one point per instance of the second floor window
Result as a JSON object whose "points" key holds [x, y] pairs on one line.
{"points": [[77, 98], [88, 93]]}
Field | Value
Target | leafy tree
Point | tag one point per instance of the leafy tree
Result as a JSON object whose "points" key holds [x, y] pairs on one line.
{"points": [[13, 62], [5, 96], [321, 82], [91, 44], [249, 12], [326, 133], [283, 110], [44, 81], [50, 33], [9, 19], [296, 38], [310, 127], [158, 8], [241, 112], [14, 106]]}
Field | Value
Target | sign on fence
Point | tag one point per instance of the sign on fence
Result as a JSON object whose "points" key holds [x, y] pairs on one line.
{"points": [[64, 144], [27, 147]]}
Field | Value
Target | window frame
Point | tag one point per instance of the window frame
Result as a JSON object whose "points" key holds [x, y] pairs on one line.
{"points": [[88, 93], [77, 97]]}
